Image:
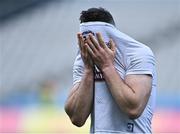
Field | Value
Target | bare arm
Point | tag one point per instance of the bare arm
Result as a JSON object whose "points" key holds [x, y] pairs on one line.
{"points": [[79, 103], [132, 93]]}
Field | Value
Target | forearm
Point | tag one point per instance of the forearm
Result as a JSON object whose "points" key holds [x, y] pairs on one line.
{"points": [[79, 103], [84, 96], [124, 95]]}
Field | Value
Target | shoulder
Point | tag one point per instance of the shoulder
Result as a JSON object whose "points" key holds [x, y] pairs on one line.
{"points": [[145, 50], [140, 53], [141, 60]]}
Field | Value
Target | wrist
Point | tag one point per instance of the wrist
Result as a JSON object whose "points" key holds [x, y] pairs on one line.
{"points": [[108, 68], [88, 71], [88, 74]]}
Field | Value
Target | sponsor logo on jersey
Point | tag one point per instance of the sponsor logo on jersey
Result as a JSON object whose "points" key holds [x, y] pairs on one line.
{"points": [[98, 76]]}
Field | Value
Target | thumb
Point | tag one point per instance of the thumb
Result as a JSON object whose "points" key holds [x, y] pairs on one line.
{"points": [[112, 45]]}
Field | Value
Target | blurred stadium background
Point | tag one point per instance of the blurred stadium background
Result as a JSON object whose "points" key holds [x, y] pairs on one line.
{"points": [[38, 47]]}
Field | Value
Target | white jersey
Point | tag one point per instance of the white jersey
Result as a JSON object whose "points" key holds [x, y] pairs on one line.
{"points": [[132, 57]]}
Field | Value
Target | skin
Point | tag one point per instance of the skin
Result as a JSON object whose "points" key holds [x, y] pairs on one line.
{"points": [[131, 94], [79, 103]]}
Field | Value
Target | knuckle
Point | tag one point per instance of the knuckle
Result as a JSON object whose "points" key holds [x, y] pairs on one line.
{"points": [[101, 50]]}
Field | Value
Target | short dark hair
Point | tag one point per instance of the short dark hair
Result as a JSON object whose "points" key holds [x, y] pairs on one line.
{"points": [[96, 14]]}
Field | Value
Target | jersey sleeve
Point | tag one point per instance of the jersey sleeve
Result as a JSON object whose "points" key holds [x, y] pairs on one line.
{"points": [[78, 69], [143, 63]]}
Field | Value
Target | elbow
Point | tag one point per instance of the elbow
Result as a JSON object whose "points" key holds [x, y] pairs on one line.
{"points": [[134, 113], [67, 110], [75, 120], [134, 110]]}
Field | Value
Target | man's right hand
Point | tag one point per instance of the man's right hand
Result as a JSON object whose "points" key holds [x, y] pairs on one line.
{"points": [[88, 63], [80, 100]]}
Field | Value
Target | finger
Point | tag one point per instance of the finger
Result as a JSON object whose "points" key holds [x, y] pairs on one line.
{"points": [[80, 40], [89, 49], [92, 46], [94, 41], [112, 45], [100, 40], [83, 51], [81, 43]]}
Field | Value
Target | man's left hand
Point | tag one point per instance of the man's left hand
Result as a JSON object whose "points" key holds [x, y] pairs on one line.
{"points": [[102, 55]]}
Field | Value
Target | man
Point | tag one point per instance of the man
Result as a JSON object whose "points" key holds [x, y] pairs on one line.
{"points": [[114, 78]]}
